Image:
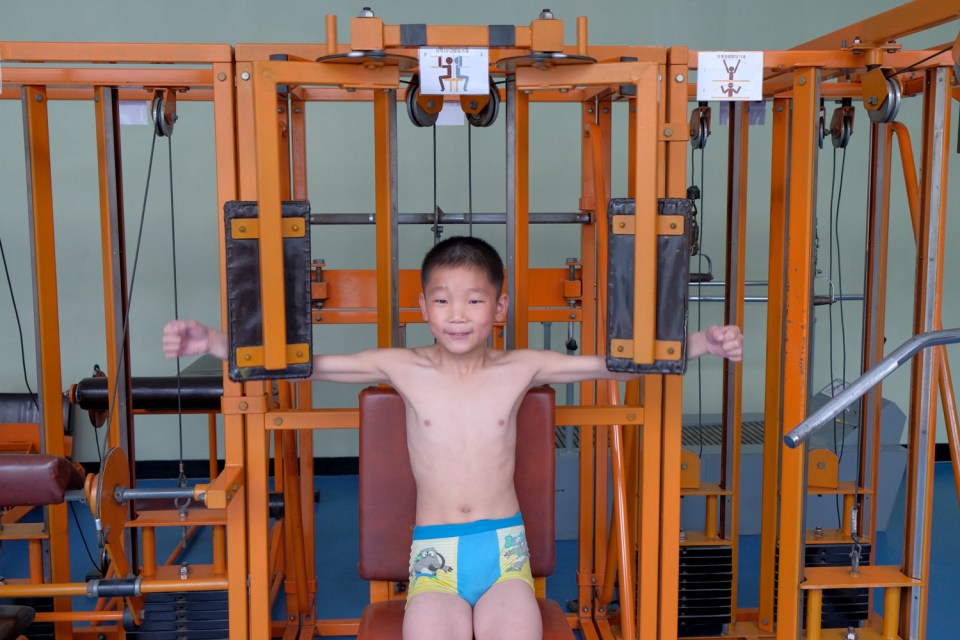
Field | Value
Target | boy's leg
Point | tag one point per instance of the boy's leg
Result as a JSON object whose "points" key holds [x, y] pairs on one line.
{"points": [[508, 611], [439, 616]]}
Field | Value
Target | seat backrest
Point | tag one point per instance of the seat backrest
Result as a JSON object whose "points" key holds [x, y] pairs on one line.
{"points": [[388, 494]]}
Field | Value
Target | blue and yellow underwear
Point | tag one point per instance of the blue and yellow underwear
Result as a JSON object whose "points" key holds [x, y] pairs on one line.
{"points": [[467, 559]]}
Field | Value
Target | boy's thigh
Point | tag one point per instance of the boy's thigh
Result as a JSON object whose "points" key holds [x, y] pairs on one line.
{"points": [[508, 611], [439, 616]]}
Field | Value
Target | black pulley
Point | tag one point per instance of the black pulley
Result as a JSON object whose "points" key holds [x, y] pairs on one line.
{"points": [[488, 114], [418, 115]]}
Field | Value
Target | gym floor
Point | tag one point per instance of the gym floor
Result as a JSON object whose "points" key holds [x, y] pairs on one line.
{"points": [[341, 593]]}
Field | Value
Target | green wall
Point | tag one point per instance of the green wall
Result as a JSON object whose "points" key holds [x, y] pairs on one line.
{"points": [[341, 180]]}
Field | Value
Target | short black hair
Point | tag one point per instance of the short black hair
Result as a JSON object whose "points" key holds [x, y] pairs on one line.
{"points": [[463, 251]]}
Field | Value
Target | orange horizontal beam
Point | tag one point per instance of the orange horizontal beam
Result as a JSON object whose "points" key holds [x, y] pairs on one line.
{"points": [[350, 418], [98, 52], [254, 52], [91, 76], [86, 93], [893, 24]]}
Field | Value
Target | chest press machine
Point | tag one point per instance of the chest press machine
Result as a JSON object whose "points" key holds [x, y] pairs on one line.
{"points": [[259, 93]]}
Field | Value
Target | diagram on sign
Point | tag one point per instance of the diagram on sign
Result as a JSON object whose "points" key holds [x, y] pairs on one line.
{"points": [[729, 75], [454, 71]]}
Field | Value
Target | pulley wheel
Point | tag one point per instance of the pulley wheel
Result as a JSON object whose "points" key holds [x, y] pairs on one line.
{"points": [[890, 107], [162, 122], [488, 115], [418, 116], [841, 128]]}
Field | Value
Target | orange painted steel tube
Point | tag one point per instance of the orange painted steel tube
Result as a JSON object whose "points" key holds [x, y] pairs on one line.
{"points": [[331, 33], [269, 196], [648, 526], [113, 52], [945, 379], [779, 180], [796, 348], [294, 519], [40, 195], [384, 114], [890, 25], [814, 612], [35, 554], [624, 552], [586, 571], [521, 220], [710, 532], [735, 260], [644, 181], [891, 613], [257, 523], [148, 547], [927, 308]]}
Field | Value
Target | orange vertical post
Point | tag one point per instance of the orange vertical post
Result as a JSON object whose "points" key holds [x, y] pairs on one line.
{"points": [[268, 196], [36, 133], [928, 302], [384, 131], [675, 83], [779, 180], [798, 285]]}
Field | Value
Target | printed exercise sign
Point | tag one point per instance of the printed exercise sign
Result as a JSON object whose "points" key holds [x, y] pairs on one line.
{"points": [[729, 75], [454, 71]]}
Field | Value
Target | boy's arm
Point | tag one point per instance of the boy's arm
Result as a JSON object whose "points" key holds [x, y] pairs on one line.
{"points": [[189, 337], [557, 368]]}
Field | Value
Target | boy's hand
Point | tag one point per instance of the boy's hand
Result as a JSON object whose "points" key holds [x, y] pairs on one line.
{"points": [[189, 337], [726, 342]]}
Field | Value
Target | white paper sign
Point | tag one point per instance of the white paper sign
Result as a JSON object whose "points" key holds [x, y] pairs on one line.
{"points": [[134, 111], [729, 75], [451, 115], [454, 71]]}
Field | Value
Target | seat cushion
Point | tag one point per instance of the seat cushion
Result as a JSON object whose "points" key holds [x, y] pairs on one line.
{"points": [[384, 621], [36, 479], [14, 620]]}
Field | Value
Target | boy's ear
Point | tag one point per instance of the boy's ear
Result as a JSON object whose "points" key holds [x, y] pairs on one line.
{"points": [[423, 306], [503, 302]]}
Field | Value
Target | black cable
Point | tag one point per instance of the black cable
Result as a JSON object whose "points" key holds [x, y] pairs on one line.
{"points": [[16, 314], [700, 300], [436, 211], [176, 302], [133, 276], [843, 330], [919, 62], [470, 178], [86, 547], [830, 237]]}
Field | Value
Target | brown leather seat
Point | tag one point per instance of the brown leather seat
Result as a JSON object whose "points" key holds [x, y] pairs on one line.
{"points": [[14, 620], [388, 503], [36, 479]]}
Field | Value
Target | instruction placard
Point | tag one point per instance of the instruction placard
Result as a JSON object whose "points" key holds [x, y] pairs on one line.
{"points": [[454, 71], [729, 75]]}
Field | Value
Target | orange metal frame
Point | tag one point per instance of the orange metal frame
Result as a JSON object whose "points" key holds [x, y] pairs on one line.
{"points": [[630, 447]]}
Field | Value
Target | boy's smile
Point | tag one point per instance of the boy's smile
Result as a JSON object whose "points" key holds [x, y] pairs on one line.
{"points": [[460, 305]]}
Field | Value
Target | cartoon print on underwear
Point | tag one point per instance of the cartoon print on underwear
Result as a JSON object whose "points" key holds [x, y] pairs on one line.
{"points": [[516, 547], [428, 562]]}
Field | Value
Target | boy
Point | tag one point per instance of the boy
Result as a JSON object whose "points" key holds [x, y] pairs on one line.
{"points": [[461, 398]]}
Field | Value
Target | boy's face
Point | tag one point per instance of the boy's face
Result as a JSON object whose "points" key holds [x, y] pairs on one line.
{"points": [[460, 305]]}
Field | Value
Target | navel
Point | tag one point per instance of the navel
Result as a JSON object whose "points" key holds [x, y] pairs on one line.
{"points": [[465, 509]]}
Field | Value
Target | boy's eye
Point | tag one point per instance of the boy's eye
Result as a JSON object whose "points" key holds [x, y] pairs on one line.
{"points": [[440, 301]]}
